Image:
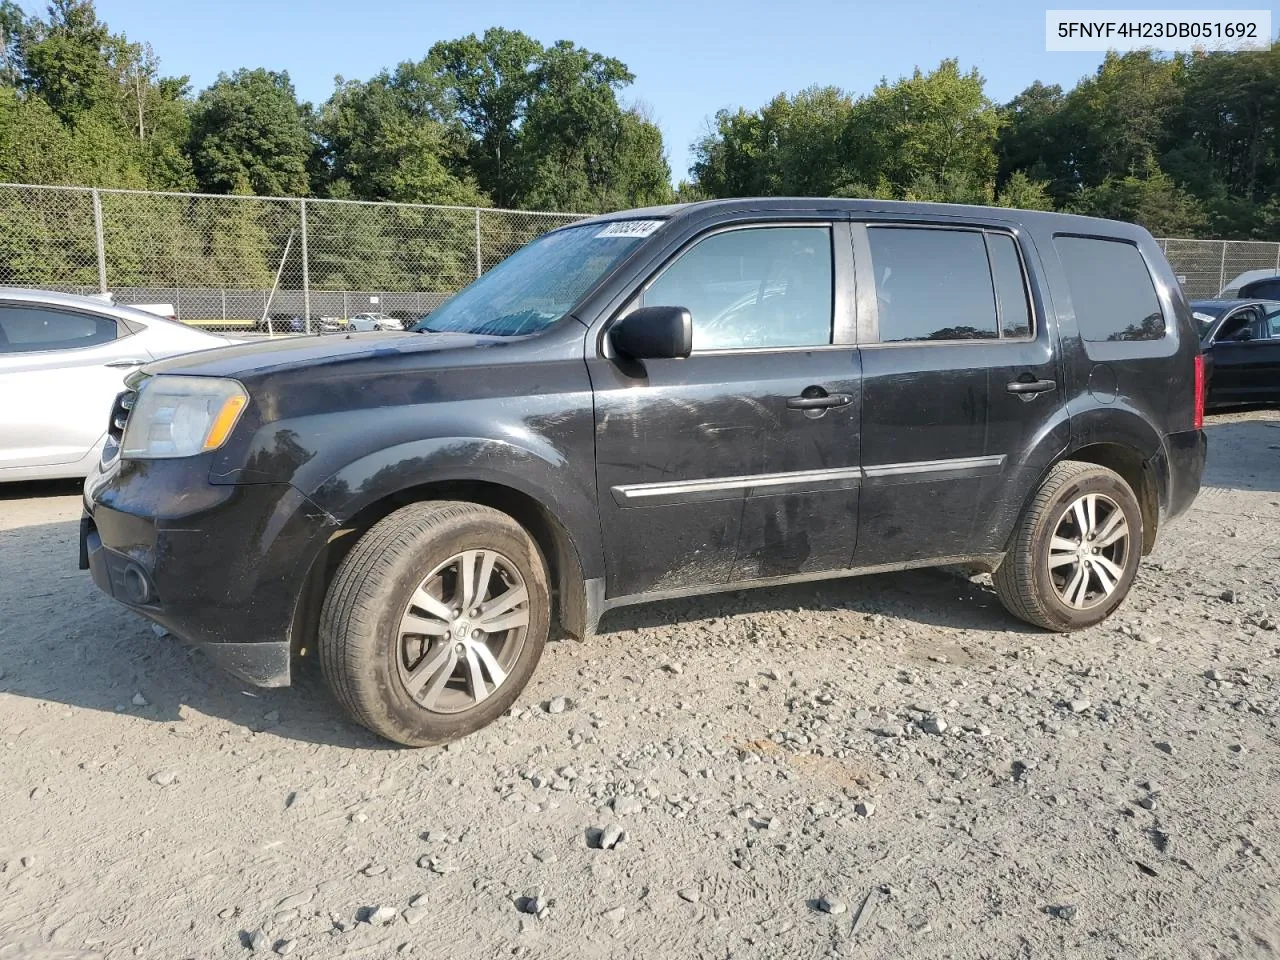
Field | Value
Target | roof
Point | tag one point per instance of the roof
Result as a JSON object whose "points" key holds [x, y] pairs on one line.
{"points": [[908, 208], [76, 301], [1249, 276], [1226, 302]]}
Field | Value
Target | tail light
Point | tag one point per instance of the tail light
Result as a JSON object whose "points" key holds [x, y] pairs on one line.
{"points": [[1198, 419]]}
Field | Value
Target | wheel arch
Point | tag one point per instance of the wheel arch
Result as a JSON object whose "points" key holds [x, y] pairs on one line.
{"points": [[510, 479], [1137, 472]]}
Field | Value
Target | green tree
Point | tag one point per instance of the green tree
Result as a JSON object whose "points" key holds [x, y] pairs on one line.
{"points": [[487, 84], [1033, 139], [543, 126], [931, 135], [382, 143], [1110, 123], [69, 59], [793, 145], [13, 31], [248, 135], [1023, 193], [1150, 198], [939, 126]]}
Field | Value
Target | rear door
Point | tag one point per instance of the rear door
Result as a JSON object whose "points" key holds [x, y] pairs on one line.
{"points": [[60, 371], [723, 466], [960, 381], [1246, 358]]}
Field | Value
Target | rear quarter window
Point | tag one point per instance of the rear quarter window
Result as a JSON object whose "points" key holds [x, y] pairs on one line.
{"points": [[1111, 289]]}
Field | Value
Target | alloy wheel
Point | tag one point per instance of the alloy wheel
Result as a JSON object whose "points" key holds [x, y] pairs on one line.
{"points": [[462, 631], [1088, 551]]}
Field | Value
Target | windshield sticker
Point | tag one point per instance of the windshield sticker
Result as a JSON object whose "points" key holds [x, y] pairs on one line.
{"points": [[630, 228]]}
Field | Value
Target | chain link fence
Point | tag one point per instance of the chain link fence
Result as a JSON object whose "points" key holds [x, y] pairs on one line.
{"points": [[1206, 267], [233, 263]]}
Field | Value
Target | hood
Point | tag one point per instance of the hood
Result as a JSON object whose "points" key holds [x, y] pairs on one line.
{"points": [[254, 358]]}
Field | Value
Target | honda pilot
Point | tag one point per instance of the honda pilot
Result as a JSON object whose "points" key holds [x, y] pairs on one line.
{"points": [[650, 404]]}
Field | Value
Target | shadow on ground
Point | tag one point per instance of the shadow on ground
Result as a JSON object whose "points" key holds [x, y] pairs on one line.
{"points": [[1243, 455], [64, 642], [61, 641], [939, 597]]}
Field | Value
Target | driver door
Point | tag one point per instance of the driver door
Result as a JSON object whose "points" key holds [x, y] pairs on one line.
{"points": [[1246, 360], [720, 467]]}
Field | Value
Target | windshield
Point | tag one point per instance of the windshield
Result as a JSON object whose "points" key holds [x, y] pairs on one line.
{"points": [[538, 284]]}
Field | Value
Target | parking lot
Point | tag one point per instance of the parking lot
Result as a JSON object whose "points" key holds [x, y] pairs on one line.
{"points": [[881, 767]]}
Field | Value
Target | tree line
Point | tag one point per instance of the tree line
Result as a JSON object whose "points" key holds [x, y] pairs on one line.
{"points": [[1187, 145], [498, 119]]}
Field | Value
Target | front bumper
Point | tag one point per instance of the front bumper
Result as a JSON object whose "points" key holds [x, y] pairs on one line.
{"points": [[221, 567]]}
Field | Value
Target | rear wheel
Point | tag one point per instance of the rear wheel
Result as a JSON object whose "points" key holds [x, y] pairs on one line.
{"points": [[435, 621], [1076, 550]]}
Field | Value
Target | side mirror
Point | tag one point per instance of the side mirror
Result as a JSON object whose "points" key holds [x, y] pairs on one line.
{"points": [[654, 333]]}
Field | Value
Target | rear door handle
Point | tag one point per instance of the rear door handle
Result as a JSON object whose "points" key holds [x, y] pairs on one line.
{"points": [[1031, 386], [817, 403], [124, 363]]}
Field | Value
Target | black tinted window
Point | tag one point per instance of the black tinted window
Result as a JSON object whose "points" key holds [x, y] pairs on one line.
{"points": [[1011, 288], [932, 284], [1263, 289], [1111, 290], [29, 329], [757, 287]]}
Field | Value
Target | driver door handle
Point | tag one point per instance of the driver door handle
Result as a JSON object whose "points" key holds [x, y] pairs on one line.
{"points": [[124, 363], [1031, 386], [817, 403]]}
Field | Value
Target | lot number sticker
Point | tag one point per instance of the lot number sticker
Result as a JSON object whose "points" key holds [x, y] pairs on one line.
{"points": [[630, 228]]}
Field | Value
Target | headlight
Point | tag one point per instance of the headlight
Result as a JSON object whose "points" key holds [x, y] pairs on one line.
{"points": [[181, 416]]}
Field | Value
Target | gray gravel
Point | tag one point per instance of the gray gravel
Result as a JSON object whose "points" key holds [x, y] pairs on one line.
{"points": [[895, 746]]}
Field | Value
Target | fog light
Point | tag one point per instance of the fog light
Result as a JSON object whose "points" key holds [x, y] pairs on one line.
{"points": [[137, 587]]}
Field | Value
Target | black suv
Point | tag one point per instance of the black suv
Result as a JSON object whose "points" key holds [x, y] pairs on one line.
{"points": [[650, 404]]}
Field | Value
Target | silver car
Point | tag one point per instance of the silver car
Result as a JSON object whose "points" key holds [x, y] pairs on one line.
{"points": [[63, 360], [374, 321]]}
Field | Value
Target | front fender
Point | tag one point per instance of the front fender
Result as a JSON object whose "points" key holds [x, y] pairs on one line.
{"points": [[535, 469]]}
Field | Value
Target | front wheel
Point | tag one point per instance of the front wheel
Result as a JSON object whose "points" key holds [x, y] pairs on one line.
{"points": [[435, 621], [1075, 552]]}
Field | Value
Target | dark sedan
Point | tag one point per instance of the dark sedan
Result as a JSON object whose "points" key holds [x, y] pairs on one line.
{"points": [[1241, 339]]}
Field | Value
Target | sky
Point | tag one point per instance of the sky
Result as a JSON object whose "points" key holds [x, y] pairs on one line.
{"points": [[689, 58]]}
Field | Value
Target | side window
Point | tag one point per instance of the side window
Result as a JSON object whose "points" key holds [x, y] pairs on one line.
{"points": [[1258, 329], [754, 287], [1238, 323], [1011, 287], [1111, 289], [31, 329], [933, 284], [1262, 289]]}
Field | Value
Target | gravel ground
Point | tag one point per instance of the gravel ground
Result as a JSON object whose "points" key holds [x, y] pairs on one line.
{"points": [[880, 767]]}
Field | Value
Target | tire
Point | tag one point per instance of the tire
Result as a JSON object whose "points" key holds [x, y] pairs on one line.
{"points": [[388, 584], [1059, 597]]}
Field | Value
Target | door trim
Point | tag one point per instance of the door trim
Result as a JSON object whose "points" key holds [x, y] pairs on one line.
{"points": [[666, 492], [953, 469]]}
